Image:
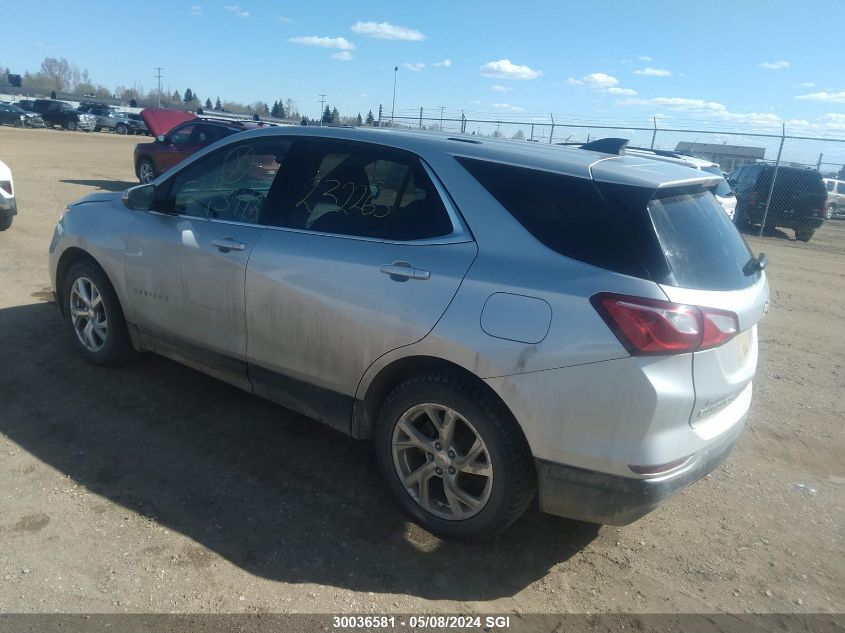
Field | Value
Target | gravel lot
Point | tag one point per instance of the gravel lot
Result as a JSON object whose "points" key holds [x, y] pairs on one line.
{"points": [[153, 488]]}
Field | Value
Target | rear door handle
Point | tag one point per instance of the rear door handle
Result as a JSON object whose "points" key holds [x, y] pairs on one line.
{"points": [[401, 271], [227, 244]]}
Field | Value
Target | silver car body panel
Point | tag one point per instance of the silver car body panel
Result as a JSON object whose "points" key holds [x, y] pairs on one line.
{"points": [[310, 320]]}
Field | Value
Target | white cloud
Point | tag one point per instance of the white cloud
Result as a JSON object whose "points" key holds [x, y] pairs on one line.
{"points": [[505, 69], [807, 84], [827, 97], [711, 110], [780, 65], [416, 67], [653, 72], [507, 106], [444, 64], [602, 82], [498, 88], [599, 81], [624, 92], [387, 31], [284, 19], [343, 56], [196, 9], [325, 42], [237, 10], [644, 58]]}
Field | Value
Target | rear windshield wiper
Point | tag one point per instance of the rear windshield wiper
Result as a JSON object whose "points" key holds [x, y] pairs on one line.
{"points": [[755, 264]]}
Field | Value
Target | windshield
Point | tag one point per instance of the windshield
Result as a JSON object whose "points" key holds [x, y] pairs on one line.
{"points": [[701, 245]]}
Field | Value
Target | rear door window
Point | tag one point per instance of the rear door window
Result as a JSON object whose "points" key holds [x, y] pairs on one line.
{"points": [[701, 245], [366, 190], [840, 187]]}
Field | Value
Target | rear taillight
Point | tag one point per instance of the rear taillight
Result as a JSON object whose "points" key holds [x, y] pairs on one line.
{"points": [[6, 186], [651, 326], [752, 198]]}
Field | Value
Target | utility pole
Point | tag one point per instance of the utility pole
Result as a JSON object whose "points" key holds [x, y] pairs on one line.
{"points": [[322, 107], [654, 134], [158, 70], [393, 107], [441, 117]]}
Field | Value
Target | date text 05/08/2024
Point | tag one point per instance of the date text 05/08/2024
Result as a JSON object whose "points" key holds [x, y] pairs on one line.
{"points": [[421, 621]]}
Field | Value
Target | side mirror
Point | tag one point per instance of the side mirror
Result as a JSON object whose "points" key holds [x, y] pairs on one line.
{"points": [[140, 197], [160, 138]]}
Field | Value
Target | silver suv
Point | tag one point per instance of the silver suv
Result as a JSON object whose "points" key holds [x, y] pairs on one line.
{"points": [[502, 319]]}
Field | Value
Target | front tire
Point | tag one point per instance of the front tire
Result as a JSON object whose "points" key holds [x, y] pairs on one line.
{"points": [[804, 235], [453, 456], [121, 129], [71, 126], [6, 222], [94, 315], [146, 171]]}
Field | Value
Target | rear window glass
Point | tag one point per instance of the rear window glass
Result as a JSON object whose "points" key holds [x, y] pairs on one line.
{"points": [[793, 179], [701, 245]]}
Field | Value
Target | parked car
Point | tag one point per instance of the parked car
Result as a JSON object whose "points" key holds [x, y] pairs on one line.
{"points": [[59, 113], [107, 118], [8, 204], [798, 201], [835, 197], [13, 115], [178, 135], [498, 318], [723, 192], [137, 123]]}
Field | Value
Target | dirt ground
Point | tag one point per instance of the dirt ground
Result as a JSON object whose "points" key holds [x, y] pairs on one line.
{"points": [[153, 488]]}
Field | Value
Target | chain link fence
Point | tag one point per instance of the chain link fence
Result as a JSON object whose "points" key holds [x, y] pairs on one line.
{"points": [[781, 179]]}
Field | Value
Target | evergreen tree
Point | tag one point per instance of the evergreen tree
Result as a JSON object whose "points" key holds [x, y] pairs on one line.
{"points": [[335, 116], [274, 111], [282, 113], [327, 115], [370, 118], [176, 97], [208, 105], [359, 121], [189, 95], [217, 105]]}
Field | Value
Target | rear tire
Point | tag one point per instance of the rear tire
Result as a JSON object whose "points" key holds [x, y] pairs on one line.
{"points": [[94, 315], [804, 235], [121, 129], [470, 482], [6, 222]]}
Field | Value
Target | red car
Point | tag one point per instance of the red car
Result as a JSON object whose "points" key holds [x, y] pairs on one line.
{"points": [[178, 135]]}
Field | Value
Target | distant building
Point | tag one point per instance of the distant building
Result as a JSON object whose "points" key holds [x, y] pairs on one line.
{"points": [[728, 156]]}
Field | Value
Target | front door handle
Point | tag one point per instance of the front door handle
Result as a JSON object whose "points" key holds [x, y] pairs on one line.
{"points": [[227, 244], [402, 271]]}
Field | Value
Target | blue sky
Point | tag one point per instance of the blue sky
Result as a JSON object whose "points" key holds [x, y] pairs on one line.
{"points": [[736, 64]]}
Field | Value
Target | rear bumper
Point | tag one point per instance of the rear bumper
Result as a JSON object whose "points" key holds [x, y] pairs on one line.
{"points": [[595, 497], [8, 207]]}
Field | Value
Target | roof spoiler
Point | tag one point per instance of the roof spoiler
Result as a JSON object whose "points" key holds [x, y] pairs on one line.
{"points": [[607, 146]]}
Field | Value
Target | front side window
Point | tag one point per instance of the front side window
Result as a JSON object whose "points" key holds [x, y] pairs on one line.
{"points": [[182, 135], [366, 190], [231, 184], [829, 184]]}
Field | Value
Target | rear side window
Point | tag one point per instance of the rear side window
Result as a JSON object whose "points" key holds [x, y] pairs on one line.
{"points": [[799, 180], [701, 245], [567, 214], [366, 190], [840, 187]]}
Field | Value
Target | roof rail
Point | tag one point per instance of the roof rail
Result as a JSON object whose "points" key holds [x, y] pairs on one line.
{"points": [[607, 146], [660, 152]]}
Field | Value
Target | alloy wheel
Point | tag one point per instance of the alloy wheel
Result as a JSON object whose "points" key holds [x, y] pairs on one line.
{"points": [[88, 314], [442, 461], [145, 172]]}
